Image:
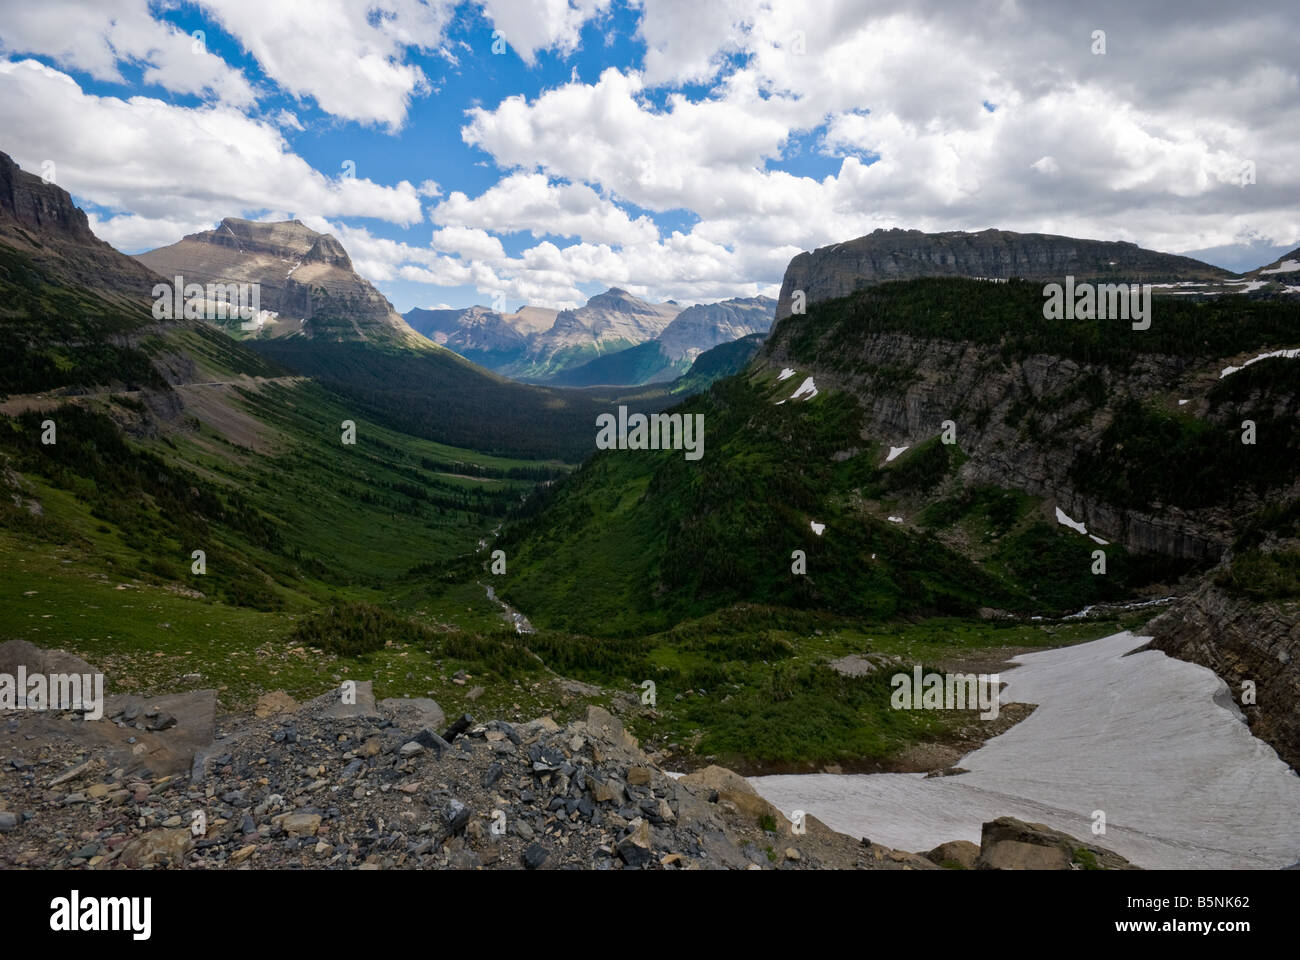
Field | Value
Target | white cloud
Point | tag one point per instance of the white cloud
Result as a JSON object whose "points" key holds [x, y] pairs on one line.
{"points": [[97, 37], [164, 164], [348, 57], [468, 242], [530, 202], [532, 25]]}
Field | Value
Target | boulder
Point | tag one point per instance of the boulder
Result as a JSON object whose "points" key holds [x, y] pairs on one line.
{"points": [[1010, 844]]}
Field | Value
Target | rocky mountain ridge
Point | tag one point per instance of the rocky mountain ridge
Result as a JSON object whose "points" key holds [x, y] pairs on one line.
{"points": [[306, 280], [842, 268]]}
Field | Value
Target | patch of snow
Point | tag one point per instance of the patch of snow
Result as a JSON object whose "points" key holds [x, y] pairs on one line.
{"points": [[807, 390], [1181, 402], [1286, 266], [817, 528], [895, 519], [1252, 285], [1153, 741], [1097, 539], [786, 374], [1228, 371], [894, 452], [1065, 521]]}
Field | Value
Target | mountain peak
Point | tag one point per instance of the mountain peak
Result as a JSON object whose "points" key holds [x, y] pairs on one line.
{"points": [[305, 278]]}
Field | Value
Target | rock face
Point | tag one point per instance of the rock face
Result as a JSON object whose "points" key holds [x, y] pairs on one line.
{"points": [[305, 278], [1243, 641], [954, 378], [842, 268]]}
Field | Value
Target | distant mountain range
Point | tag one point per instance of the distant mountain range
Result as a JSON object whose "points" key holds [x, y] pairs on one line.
{"points": [[614, 339]]}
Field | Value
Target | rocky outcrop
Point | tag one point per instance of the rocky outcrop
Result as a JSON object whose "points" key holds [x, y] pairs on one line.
{"points": [[1010, 844], [842, 268], [1243, 642]]}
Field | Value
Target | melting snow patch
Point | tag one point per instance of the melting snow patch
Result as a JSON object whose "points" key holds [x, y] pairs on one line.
{"points": [[1228, 371], [786, 374], [1134, 735], [1097, 539], [817, 528], [1065, 521], [1181, 402], [807, 389], [895, 519], [1286, 266], [894, 452]]}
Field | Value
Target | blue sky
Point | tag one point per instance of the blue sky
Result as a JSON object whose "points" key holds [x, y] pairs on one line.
{"points": [[678, 149]]}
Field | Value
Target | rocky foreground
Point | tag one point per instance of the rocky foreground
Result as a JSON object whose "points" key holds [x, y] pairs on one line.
{"points": [[157, 783]]}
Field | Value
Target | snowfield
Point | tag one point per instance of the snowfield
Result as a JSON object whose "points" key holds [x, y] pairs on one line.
{"points": [[807, 390], [894, 452], [1065, 521], [1228, 371], [1286, 266], [1154, 742]]}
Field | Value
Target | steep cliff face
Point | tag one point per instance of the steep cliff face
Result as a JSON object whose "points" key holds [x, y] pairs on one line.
{"points": [[40, 220], [1138, 439], [842, 268], [305, 278], [1243, 641], [972, 386]]}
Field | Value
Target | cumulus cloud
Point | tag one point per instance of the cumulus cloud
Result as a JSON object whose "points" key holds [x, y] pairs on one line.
{"points": [[531, 202], [164, 164], [97, 38], [818, 122], [528, 26], [350, 58]]}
